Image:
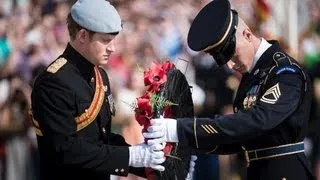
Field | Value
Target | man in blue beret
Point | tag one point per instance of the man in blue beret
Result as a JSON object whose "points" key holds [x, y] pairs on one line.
{"points": [[271, 108], [72, 105]]}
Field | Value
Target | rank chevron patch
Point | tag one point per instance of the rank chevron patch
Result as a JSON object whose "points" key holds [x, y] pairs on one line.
{"points": [[272, 95]]}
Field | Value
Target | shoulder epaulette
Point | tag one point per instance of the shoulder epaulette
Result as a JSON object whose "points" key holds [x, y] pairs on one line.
{"points": [[284, 64], [280, 59], [54, 67]]}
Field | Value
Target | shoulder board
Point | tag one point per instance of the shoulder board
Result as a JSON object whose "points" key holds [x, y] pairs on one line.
{"points": [[284, 64], [54, 67], [281, 59]]}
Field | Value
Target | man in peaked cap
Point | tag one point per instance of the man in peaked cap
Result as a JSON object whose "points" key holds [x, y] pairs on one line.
{"points": [[213, 31], [271, 108], [72, 105]]}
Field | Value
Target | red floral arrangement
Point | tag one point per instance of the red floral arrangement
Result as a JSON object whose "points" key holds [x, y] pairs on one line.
{"points": [[154, 79]]}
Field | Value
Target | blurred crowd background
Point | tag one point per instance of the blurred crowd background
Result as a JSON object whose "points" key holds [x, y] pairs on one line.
{"points": [[33, 33]]}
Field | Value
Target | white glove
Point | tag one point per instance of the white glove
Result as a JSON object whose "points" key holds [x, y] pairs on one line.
{"points": [[191, 167], [143, 155], [162, 130]]}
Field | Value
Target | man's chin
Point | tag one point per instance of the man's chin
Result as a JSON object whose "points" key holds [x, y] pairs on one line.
{"points": [[103, 62], [241, 70]]}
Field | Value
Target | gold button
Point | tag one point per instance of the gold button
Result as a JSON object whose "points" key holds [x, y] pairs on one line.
{"points": [[86, 113], [116, 170], [92, 79], [122, 170]]}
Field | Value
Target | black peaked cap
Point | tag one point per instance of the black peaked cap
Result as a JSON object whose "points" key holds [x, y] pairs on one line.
{"points": [[211, 26]]}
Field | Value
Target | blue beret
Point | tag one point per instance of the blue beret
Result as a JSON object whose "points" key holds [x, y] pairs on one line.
{"points": [[212, 26], [96, 15]]}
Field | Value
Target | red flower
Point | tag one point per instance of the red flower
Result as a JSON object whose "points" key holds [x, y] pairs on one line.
{"points": [[144, 109], [167, 65], [156, 76], [168, 148], [167, 112], [141, 117]]}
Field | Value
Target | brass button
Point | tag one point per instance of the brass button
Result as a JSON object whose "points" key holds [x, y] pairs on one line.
{"points": [[86, 113], [92, 79], [122, 170], [116, 170]]}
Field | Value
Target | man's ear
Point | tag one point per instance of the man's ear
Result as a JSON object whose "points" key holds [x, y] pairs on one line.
{"points": [[82, 35], [247, 34]]}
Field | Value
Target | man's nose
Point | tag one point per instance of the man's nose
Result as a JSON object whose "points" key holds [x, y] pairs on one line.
{"points": [[230, 64], [111, 47]]}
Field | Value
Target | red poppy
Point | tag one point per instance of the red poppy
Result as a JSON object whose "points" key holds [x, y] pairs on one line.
{"points": [[167, 112], [144, 109], [141, 117], [167, 65], [156, 76], [168, 148]]}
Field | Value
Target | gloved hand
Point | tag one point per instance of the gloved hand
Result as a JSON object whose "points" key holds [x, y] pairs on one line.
{"points": [[162, 130], [143, 155], [191, 167]]}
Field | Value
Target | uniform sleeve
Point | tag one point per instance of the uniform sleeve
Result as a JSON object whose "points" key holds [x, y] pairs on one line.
{"points": [[222, 149], [53, 107], [280, 99]]}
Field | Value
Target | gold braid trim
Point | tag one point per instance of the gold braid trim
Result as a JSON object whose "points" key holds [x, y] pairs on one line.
{"points": [[90, 114], [35, 124]]}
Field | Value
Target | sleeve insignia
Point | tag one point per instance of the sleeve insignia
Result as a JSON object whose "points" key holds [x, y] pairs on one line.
{"points": [[54, 67], [286, 69], [209, 129], [272, 95]]}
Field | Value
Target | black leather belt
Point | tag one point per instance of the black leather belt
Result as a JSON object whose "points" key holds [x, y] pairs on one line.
{"points": [[272, 152]]}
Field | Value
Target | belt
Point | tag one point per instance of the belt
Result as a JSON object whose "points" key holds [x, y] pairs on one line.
{"points": [[272, 152]]}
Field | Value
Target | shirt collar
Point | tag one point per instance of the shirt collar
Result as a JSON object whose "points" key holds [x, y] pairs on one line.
{"points": [[264, 45]]}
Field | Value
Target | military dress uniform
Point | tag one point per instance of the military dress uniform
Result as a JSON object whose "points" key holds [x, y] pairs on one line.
{"points": [[72, 107], [272, 104], [272, 108]]}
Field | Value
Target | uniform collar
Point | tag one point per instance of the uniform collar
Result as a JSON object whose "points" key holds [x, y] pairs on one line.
{"points": [[266, 59], [74, 57], [264, 45]]}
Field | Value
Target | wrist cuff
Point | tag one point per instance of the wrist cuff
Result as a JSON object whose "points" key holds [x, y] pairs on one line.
{"points": [[172, 131], [131, 155]]}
